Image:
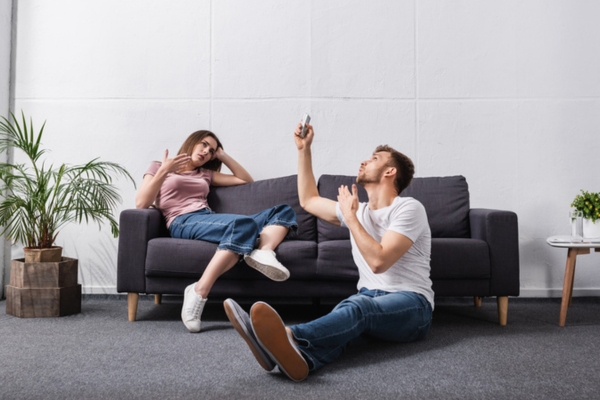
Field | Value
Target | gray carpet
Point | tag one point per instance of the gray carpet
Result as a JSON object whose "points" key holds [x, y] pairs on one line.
{"points": [[99, 355]]}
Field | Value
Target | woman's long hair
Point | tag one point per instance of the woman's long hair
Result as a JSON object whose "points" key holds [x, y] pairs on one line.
{"points": [[188, 146]]}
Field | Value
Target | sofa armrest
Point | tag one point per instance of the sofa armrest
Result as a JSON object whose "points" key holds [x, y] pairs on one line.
{"points": [[501, 232], [136, 228]]}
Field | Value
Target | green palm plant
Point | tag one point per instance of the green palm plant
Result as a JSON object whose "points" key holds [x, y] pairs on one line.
{"points": [[39, 199]]}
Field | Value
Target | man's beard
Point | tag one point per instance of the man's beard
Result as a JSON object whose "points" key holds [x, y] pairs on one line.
{"points": [[363, 179]]}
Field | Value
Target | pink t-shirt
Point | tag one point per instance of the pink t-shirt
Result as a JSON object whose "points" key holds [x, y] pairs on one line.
{"points": [[181, 193]]}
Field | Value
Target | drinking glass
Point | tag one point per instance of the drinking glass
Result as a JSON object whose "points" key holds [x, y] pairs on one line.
{"points": [[576, 218]]}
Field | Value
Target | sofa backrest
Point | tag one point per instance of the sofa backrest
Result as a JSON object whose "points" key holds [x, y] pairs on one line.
{"points": [[446, 201], [257, 196], [328, 187]]}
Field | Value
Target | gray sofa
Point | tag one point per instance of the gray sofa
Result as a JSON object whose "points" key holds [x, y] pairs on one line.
{"points": [[474, 251]]}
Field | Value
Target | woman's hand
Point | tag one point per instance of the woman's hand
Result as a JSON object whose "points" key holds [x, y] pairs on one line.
{"points": [[151, 183], [219, 154], [177, 163]]}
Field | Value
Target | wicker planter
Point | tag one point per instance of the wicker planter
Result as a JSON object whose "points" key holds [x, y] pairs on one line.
{"points": [[43, 289]]}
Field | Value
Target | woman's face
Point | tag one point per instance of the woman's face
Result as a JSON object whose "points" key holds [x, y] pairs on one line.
{"points": [[203, 152]]}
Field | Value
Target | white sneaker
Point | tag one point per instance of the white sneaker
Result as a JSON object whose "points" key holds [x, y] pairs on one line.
{"points": [[265, 262], [193, 304]]}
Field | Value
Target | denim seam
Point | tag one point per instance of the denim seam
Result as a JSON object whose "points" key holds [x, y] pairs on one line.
{"points": [[282, 222]]}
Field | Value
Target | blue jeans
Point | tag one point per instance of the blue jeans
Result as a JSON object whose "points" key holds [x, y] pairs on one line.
{"points": [[236, 233], [370, 314]]}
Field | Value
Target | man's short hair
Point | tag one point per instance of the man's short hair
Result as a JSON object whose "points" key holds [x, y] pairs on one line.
{"points": [[403, 164]]}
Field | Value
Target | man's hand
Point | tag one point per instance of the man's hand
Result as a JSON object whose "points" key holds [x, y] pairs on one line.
{"points": [[348, 202], [303, 143], [380, 256], [308, 194]]}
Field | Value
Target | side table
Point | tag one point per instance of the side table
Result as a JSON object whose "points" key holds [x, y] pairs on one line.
{"points": [[574, 249]]}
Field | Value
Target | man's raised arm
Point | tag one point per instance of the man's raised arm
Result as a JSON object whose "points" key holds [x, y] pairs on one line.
{"points": [[308, 193]]}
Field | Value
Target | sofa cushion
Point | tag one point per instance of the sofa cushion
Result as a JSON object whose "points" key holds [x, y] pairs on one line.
{"points": [[256, 196], [459, 259], [450, 259], [182, 258], [335, 261], [328, 188], [446, 201]]}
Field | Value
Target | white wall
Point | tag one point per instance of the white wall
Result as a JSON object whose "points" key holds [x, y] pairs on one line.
{"points": [[5, 46], [505, 93]]}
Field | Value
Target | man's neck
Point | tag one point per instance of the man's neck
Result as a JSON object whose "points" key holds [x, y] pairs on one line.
{"points": [[380, 196]]}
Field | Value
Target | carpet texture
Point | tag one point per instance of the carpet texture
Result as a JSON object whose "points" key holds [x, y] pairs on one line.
{"points": [[98, 354]]}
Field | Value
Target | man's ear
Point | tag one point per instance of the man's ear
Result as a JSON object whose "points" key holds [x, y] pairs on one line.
{"points": [[390, 171]]}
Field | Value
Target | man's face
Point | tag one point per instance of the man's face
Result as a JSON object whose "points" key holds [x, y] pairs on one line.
{"points": [[372, 170]]}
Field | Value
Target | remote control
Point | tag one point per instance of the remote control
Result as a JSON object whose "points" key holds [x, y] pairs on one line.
{"points": [[305, 121]]}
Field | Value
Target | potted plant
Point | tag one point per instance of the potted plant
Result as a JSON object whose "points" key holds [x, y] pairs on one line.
{"points": [[38, 199], [589, 205]]}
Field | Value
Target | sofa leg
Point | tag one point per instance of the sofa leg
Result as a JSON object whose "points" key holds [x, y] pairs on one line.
{"points": [[132, 304], [477, 301], [157, 298], [502, 309]]}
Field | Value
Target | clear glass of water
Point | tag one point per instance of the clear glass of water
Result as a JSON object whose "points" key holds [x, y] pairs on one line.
{"points": [[576, 219]]}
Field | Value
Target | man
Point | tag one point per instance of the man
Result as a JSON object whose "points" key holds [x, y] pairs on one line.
{"points": [[391, 246]]}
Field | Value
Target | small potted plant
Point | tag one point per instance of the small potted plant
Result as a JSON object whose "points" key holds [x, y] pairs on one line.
{"points": [[589, 205], [38, 199]]}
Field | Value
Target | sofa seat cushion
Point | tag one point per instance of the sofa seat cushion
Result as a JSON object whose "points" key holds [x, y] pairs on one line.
{"points": [[459, 259], [183, 258], [335, 261], [450, 259]]}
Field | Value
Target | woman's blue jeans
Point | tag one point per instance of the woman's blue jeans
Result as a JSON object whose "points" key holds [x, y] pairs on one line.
{"points": [[236, 233], [369, 314]]}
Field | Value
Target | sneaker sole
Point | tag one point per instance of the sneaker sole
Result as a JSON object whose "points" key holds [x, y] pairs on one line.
{"points": [[270, 271], [236, 319], [270, 333]]}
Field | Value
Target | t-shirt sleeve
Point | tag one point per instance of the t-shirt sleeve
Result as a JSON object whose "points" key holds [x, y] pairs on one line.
{"points": [[153, 168], [340, 216], [410, 220], [209, 173]]}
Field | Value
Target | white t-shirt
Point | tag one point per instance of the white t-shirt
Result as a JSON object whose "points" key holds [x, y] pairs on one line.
{"points": [[411, 272]]}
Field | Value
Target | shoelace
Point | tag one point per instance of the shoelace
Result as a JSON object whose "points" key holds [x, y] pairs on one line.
{"points": [[197, 308]]}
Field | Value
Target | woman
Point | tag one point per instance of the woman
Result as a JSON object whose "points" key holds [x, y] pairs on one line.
{"points": [[179, 187]]}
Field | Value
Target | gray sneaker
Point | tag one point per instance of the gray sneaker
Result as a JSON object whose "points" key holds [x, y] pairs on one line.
{"points": [[241, 322], [191, 311]]}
